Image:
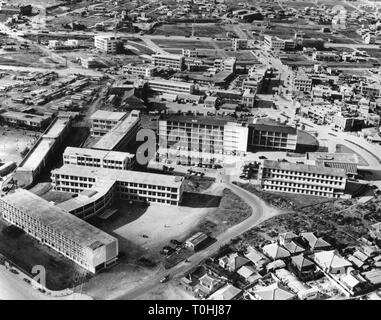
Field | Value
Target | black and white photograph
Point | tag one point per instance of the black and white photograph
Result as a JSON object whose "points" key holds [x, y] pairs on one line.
{"points": [[199, 156]]}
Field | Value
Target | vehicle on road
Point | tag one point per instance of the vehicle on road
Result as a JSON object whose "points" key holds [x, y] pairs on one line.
{"points": [[164, 279]]}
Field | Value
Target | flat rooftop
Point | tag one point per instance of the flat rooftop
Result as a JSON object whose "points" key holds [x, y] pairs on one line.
{"points": [[24, 116], [271, 125], [112, 138], [289, 166], [203, 120], [105, 174], [101, 154], [332, 157], [108, 115], [58, 219], [40, 150]]}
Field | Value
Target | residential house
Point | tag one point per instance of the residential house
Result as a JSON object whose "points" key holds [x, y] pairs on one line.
{"points": [[257, 258], [275, 291], [207, 285], [275, 251], [249, 274], [331, 262], [314, 242], [227, 292], [233, 262]]}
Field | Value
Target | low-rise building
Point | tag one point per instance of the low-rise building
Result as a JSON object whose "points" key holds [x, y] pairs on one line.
{"points": [[141, 70], [172, 87], [25, 120]]}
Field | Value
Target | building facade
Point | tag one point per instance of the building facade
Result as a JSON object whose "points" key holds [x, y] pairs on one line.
{"points": [[171, 87], [305, 179], [107, 44], [103, 121], [98, 158], [173, 61], [77, 240], [271, 136]]}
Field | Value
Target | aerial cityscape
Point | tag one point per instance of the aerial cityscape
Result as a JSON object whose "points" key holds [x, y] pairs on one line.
{"points": [[190, 150]]}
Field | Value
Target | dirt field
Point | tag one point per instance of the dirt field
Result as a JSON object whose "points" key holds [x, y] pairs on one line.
{"points": [[200, 30], [13, 141]]}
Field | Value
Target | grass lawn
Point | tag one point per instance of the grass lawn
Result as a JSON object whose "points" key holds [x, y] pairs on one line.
{"points": [[26, 252]]}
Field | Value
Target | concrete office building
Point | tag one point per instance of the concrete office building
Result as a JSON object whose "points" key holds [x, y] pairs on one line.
{"points": [[103, 121], [200, 139], [171, 87], [173, 61], [39, 156], [272, 136], [77, 240], [98, 187], [305, 179], [346, 161], [98, 158], [107, 44], [122, 134]]}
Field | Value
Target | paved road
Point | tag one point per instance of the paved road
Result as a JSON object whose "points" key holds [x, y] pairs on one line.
{"points": [[260, 212]]}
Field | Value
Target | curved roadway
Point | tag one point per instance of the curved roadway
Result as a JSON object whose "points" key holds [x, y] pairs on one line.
{"points": [[260, 212]]}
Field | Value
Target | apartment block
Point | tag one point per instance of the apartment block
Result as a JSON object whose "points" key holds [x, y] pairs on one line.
{"points": [[200, 139], [239, 44], [54, 227], [305, 179], [98, 158], [302, 82]]}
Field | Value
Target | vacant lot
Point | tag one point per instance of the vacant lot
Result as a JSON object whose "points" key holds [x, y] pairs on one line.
{"points": [[185, 29], [27, 252], [168, 43], [14, 141], [231, 211]]}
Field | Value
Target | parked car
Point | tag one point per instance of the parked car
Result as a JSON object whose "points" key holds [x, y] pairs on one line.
{"points": [[164, 279]]}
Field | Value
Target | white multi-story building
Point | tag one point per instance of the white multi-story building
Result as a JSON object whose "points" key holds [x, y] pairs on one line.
{"points": [[278, 176], [121, 134], [200, 139], [98, 158], [103, 185], [103, 121], [172, 87], [107, 44], [173, 61], [72, 237], [239, 44], [142, 70]]}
